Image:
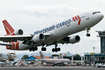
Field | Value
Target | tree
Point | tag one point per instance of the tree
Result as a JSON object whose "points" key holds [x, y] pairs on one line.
{"points": [[25, 57], [77, 55], [11, 56], [55, 55]]}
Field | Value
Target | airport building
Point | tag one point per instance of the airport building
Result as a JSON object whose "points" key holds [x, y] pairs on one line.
{"points": [[93, 58], [102, 41], [2, 57]]}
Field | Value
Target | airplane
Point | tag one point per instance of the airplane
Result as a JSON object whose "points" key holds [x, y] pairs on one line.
{"points": [[56, 34], [58, 62]]}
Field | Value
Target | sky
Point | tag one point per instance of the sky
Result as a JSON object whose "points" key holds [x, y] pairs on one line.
{"points": [[33, 15]]}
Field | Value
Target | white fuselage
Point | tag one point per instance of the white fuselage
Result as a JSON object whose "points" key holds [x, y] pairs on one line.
{"points": [[55, 61], [58, 31]]}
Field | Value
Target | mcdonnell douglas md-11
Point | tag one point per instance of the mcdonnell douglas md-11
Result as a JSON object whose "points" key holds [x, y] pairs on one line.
{"points": [[53, 35]]}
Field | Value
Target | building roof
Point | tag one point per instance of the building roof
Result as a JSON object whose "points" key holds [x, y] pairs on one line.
{"points": [[96, 55], [31, 58]]}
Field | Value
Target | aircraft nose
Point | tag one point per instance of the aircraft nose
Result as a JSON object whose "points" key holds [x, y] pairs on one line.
{"points": [[101, 16]]}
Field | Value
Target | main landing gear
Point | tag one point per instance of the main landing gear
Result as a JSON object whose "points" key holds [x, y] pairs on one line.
{"points": [[43, 48], [56, 49], [88, 34], [33, 49]]}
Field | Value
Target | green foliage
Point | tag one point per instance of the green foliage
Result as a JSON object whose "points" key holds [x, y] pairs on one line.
{"points": [[25, 57], [55, 55], [77, 55]]}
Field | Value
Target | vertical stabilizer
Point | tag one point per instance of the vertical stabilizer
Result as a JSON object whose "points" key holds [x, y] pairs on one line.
{"points": [[41, 55], [8, 28]]}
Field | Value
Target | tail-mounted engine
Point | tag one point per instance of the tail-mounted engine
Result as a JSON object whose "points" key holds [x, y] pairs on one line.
{"points": [[19, 32]]}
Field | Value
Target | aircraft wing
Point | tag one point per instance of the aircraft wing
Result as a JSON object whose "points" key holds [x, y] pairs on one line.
{"points": [[61, 40], [71, 39], [14, 38]]}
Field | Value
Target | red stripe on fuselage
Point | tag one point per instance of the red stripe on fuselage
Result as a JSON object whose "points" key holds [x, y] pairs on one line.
{"points": [[17, 45], [79, 21]]}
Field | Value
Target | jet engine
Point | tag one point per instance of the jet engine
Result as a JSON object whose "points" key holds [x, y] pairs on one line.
{"points": [[74, 39], [38, 38], [19, 32]]}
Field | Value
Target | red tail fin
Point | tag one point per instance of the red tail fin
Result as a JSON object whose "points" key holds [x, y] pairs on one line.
{"points": [[8, 27]]}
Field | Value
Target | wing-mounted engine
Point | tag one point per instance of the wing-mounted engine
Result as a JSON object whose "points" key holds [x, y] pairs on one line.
{"points": [[35, 39], [72, 39], [38, 38], [19, 32]]}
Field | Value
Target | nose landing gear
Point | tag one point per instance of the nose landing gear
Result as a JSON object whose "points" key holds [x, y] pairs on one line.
{"points": [[88, 34]]}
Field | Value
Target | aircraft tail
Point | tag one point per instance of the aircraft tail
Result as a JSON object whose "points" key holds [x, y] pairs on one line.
{"points": [[8, 28], [41, 55]]}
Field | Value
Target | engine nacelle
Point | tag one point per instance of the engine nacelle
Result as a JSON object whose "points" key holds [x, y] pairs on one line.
{"points": [[19, 32], [38, 38], [74, 39]]}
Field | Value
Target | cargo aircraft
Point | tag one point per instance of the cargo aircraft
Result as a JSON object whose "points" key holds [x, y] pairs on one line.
{"points": [[53, 35]]}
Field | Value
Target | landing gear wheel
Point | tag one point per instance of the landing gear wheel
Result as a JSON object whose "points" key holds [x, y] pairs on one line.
{"points": [[88, 35], [30, 49], [43, 49], [58, 49], [33, 49], [36, 48], [53, 50]]}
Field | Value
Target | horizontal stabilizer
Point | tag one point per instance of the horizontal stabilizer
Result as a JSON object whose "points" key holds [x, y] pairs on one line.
{"points": [[14, 38], [6, 44]]}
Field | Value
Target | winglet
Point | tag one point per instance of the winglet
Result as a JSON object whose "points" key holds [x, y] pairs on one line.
{"points": [[41, 55], [8, 27]]}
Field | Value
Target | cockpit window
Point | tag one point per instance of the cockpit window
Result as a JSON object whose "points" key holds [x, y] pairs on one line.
{"points": [[96, 12]]}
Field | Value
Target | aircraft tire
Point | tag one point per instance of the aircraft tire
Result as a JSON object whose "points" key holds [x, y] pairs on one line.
{"points": [[30, 50], [88, 35], [58, 49], [53, 50], [43, 49], [36, 48]]}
